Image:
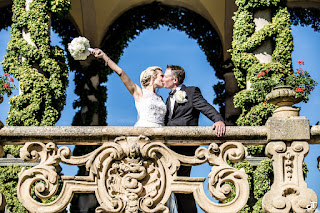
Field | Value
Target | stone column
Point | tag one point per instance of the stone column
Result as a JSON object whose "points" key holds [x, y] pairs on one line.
{"points": [[231, 88], [264, 52], [26, 36], [92, 84], [288, 136]]}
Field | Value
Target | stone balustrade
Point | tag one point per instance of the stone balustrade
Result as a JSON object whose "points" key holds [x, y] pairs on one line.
{"points": [[134, 170]]}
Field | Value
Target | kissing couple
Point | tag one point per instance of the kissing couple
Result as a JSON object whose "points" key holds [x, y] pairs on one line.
{"points": [[182, 108]]}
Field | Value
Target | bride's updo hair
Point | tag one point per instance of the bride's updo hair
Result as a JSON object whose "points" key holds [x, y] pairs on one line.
{"points": [[146, 76]]}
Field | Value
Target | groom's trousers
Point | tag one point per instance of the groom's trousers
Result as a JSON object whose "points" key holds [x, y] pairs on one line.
{"points": [[186, 202]]}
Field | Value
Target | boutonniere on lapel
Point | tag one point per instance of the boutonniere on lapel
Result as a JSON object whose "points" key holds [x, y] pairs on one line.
{"points": [[180, 97]]}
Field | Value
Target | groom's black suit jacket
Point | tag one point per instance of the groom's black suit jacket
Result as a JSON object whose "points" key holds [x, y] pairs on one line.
{"points": [[187, 114]]}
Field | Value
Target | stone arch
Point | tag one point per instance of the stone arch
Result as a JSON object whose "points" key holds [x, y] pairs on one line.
{"points": [[150, 16]]}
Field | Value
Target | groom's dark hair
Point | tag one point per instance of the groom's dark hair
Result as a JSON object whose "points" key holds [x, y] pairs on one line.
{"points": [[177, 72]]}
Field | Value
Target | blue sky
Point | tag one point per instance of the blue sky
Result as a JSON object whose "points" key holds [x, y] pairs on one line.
{"points": [[162, 47]]}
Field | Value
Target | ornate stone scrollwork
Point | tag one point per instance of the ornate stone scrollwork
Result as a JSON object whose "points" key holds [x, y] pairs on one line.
{"points": [[132, 174], [289, 192]]}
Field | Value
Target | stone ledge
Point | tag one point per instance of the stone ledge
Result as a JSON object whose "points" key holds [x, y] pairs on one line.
{"points": [[16, 161], [288, 128], [99, 134]]}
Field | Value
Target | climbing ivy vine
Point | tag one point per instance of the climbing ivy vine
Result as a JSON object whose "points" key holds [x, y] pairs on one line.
{"points": [[42, 74], [262, 77], [248, 67], [39, 68]]}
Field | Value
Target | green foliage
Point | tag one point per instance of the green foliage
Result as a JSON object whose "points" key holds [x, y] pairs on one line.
{"points": [[13, 150], [156, 14], [262, 178], [249, 170], [247, 66], [5, 17], [262, 77], [42, 89], [8, 186], [305, 17], [257, 150], [302, 82], [257, 115], [219, 90], [42, 74]]}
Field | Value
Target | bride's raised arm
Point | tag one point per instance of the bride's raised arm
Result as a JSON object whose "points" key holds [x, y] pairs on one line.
{"points": [[133, 88]]}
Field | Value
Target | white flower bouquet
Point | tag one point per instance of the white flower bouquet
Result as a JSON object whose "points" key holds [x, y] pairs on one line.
{"points": [[79, 48]]}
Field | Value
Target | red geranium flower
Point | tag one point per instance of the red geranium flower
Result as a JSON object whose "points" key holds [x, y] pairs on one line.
{"points": [[11, 80], [6, 75], [301, 62], [300, 71], [6, 86], [268, 70], [300, 90], [261, 74]]}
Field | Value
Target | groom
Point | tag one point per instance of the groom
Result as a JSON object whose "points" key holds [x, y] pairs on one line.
{"points": [[184, 105]]}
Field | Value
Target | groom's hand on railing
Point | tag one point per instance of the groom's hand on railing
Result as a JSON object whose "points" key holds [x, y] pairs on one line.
{"points": [[220, 128]]}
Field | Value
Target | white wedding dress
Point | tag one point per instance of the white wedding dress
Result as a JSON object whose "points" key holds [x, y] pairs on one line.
{"points": [[151, 110]]}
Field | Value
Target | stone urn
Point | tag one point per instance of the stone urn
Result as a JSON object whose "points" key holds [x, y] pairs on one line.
{"points": [[284, 98], [1, 99]]}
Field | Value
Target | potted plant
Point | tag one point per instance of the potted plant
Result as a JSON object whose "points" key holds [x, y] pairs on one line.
{"points": [[295, 88]]}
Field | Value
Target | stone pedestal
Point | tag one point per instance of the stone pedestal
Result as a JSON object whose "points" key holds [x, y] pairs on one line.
{"points": [[288, 136]]}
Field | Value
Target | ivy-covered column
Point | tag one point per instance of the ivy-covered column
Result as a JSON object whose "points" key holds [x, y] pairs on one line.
{"points": [[92, 95], [258, 67], [231, 88], [263, 53], [39, 67], [42, 74], [288, 136]]}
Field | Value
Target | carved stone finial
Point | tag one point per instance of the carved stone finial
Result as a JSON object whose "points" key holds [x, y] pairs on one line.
{"points": [[284, 98]]}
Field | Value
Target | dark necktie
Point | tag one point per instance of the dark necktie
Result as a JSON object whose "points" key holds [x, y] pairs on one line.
{"points": [[169, 102]]}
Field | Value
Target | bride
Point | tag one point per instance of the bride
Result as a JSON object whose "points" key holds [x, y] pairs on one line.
{"points": [[150, 106]]}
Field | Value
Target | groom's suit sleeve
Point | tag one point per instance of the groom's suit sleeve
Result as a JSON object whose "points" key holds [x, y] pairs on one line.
{"points": [[204, 107]]}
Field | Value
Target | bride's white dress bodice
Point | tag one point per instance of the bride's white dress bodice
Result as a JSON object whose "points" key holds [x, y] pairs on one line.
{"points": [[151, 110]]}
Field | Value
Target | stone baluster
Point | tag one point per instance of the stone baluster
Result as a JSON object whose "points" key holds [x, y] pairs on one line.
{"points": [[132, 174], [288, 136]]}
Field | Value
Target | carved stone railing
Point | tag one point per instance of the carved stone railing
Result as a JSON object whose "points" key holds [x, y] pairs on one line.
{"points": [[134, 170]]}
